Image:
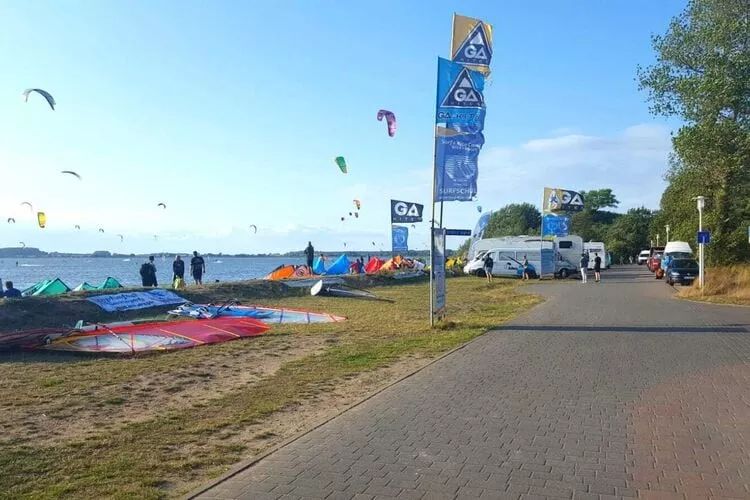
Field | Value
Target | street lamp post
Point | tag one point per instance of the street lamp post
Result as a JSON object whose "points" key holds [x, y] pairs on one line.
{"points": [[667, 228], [701, 272]]}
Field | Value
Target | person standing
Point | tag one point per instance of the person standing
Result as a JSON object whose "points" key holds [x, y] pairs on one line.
{"points": [[310, 255], [525, 266], [197, 268], [597, 267], [178, 272], [148, 273], [488, 264], [584, 266]]}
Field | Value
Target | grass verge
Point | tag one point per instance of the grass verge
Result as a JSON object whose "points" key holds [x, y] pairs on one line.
{"points": [[724, 285], [166, 452]]}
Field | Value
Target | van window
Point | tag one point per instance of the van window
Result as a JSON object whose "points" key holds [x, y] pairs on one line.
{"points": [[506, 255], [565, 244]]}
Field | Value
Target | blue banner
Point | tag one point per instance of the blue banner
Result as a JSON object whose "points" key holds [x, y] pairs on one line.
{"points": [[400, 238], [555, 225], [460, 95], [456, 165]]}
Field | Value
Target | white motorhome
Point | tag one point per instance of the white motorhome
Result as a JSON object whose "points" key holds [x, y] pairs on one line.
{"points": [[567, 249], [594, 248], [508, 259]]}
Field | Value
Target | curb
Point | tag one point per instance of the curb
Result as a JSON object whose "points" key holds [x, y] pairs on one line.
{"points": [[242, 466]]}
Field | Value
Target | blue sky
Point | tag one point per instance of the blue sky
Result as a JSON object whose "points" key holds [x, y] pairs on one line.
{"points": [[231, 112]]}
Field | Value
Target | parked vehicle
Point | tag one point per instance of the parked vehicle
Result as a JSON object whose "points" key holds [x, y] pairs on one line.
{"points": [[643, 257], [654, 260], [508, 261], [682, 271], [567, 249], [676, 250]]}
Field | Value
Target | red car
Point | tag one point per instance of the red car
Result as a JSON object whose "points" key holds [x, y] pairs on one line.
{"points": [[654, 261]]}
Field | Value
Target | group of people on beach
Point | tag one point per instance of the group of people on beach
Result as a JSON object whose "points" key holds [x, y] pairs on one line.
{"points": [[197, 270]]}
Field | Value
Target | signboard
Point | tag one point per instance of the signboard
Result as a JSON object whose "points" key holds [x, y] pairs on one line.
{"points": [[437, 268], [460, 98], [458, 232], [562, 200], [547, 261], [406, 211], [399, 239], [130, 301], [555, 225], [704, 237]]}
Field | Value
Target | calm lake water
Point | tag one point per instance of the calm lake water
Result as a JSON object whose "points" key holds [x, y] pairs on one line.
{"points": [[74, 271]]}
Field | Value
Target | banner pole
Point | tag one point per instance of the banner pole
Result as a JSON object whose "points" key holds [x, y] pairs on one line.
{"points": [[541, 240], [432, 227]]}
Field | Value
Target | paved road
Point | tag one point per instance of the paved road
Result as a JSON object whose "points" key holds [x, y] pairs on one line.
{"points": [[608, 390]]}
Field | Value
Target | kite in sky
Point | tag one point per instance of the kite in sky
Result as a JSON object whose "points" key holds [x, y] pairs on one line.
{"points": [[43, 93], [390, 119], [341, 162]]}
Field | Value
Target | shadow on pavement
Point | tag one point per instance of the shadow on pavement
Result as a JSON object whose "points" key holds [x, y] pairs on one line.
{"points": [[630, 329]]}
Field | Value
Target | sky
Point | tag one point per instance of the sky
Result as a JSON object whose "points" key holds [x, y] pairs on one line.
{"points": [[231, 112]]}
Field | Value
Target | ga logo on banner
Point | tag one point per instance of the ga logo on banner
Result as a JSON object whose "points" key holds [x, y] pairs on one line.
{"points": [[460, 98], [562, 200], [406, 211], [472, 43], [400, 238]]}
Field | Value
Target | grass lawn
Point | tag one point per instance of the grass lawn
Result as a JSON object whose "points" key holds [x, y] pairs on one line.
{"points": [[158, 425]]}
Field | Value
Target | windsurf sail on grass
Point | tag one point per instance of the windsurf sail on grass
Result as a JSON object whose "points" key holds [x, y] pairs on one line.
{"points": [[268, 315]]}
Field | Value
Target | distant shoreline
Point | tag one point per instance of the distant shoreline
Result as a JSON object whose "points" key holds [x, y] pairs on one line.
{"points": [[29, 252]]}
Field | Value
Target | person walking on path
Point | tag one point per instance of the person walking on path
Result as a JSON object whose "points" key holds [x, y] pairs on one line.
{"points": [[488, 265], [197, 268], [310, 254], [597, 267], [584, 266], [178, 272]]}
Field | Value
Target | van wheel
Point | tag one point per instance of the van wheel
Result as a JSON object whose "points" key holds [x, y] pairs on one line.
{"points": [[480, 273], [563, 273]]}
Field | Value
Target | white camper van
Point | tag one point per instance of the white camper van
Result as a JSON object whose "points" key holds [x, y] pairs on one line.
{"points": [[675, 250], [567, 249], [508, 259], [593, 248]]}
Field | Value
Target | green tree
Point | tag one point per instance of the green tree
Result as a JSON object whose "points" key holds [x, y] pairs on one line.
{"points": [[630, 233], [513, 220], [597, 199], [701, 75]]}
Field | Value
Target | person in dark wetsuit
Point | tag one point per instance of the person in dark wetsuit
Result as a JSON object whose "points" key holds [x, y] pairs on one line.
{"points": [[197, 268], [597, 267], [310, 254], [178, 271]]}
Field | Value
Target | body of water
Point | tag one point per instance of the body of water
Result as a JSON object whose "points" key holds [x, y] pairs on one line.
{"points": [[74, 271]]}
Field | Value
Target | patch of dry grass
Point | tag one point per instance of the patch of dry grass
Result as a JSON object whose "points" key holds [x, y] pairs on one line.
{"points": [[156, 426], [727, 285]]}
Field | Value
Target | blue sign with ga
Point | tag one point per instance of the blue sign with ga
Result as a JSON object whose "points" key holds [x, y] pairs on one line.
{"points": [[460, 95], [555, 225], [400, 238], [456, 165]]}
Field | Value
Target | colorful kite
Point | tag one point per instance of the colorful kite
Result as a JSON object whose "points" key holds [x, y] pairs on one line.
{"points": [[43, 93], [358, 204], [41, 219], [390, 119], [341, 162]]}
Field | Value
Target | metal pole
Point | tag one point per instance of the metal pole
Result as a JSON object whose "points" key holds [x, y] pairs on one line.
{"points": [[667, 228], [701, 269], [432, 229]]}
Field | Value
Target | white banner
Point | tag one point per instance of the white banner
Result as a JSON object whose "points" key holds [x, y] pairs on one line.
{"points": [[130, 301]]}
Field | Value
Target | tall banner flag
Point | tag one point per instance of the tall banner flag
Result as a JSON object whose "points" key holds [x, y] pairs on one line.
{"points": [[456, 164], [399, 239], [478, 233], [460, 96], [555, 225], [472, 43], [406, 211], [561, 200]]}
